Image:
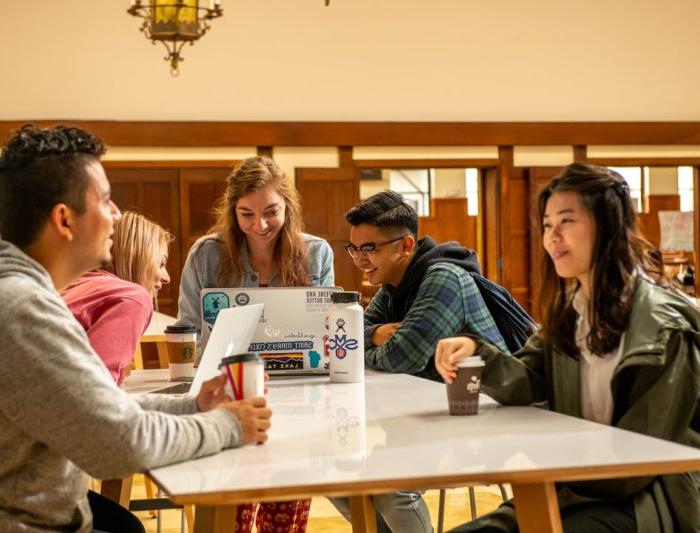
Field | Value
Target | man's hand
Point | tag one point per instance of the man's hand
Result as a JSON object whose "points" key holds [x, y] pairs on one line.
{"points": [[254, 417], [384, 332], [212, 393], [451, 351]]}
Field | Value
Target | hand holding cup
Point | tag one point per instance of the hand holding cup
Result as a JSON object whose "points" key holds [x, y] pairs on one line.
{"points": [[254, 418], [451, 351]]}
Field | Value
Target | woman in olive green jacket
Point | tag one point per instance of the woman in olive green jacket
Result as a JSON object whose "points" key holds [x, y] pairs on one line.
{"points": [[615, 347]]}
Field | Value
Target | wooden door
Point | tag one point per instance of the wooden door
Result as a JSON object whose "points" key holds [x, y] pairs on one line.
{"points": [[200, 189], [155, 194], [327, 194], [505, 230], [537, 179]]}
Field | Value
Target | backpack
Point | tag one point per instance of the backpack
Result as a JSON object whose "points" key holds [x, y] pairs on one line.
{"points": [[512, 321]]}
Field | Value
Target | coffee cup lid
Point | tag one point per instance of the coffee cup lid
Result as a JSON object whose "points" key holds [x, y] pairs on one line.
{"points": [[184, 328], [239, 358], [472, 361]]}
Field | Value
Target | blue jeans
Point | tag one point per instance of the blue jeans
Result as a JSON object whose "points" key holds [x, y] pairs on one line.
{"points": [[397, 512]]}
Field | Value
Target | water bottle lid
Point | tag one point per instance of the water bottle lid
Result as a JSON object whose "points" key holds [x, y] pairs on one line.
{"points": [[346, 297]]}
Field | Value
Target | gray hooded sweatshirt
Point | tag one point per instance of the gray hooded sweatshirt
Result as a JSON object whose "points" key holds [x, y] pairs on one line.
{"points": [[62, 417]]}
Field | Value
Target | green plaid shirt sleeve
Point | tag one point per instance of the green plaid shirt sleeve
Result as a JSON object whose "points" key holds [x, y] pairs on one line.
{"points": [[448, 303], [375, 315]]}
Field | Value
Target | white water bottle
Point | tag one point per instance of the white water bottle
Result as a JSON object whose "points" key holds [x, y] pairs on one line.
{"points": [[346, 341]]}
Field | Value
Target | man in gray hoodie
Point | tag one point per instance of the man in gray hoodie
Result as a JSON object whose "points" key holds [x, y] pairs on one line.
{"points": [[62, 417]]}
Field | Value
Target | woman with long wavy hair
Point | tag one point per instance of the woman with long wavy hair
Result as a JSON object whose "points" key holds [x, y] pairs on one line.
{"points": [[257, 241], [617, 346]]}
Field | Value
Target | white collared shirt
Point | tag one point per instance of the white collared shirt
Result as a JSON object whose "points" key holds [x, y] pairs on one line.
{"points": [[596, 372]]}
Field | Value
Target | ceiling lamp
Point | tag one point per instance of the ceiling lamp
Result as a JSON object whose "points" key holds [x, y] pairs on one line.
{"points": [[174, 23]]}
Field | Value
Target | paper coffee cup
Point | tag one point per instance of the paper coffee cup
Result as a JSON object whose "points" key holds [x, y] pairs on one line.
{"points": [[181, 343], [463, 392], [245, 375]]}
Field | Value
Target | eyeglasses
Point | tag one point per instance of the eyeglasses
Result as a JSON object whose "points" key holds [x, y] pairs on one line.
{"points": [[367, 248]]}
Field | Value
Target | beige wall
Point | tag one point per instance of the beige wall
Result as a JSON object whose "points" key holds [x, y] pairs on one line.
{"points": [[449, 183], [663, 180], [440, 60]]}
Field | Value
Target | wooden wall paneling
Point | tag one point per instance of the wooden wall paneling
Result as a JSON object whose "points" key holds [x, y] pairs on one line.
{"points": [[327, 194], [155, 194], [537, 178], [490, 217], [449, 222], [649, 222], [425, 163], [696, 227], [505, 169], [200, 189], [580, 153], [144, 133], [645, 161], [516, 244]]}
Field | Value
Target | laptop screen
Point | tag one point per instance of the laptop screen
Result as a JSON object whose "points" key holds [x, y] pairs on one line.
{"points": [[291, 336]]}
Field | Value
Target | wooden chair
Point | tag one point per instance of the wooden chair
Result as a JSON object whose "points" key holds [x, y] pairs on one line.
{"points": [[151, 352]]}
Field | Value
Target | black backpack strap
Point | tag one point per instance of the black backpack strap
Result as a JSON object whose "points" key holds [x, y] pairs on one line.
{"points": [[512, 321]]}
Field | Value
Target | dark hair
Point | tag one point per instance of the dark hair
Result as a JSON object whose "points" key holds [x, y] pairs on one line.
{"points": [[619, 253], [386, 209], [39, 168]]}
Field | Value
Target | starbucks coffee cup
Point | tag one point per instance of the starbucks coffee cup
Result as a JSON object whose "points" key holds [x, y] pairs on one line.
{"points": [[181, 342]]}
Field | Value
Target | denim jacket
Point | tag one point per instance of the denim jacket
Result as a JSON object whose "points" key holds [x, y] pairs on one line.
{"points": [[202, 267]]}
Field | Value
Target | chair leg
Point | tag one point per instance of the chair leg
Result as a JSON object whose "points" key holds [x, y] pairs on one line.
{"points": [[504, 493], [472, 502], [150, 493], [441, 511]]}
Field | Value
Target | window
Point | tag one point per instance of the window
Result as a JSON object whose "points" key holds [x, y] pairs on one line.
{"points": [[414, 185], [472, 188], [633, 177], [685, 187]]}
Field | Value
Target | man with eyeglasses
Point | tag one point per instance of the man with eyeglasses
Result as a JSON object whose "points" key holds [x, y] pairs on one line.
{"points": [[426, 294]]}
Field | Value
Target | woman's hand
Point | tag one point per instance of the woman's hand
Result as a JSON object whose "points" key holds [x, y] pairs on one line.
{"points": [[212, 393], [451, 351]]}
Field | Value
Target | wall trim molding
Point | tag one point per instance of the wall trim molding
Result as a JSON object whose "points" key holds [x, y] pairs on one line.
{"points": [[270, 134]]}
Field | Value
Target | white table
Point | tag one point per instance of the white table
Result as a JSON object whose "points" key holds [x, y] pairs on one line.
{"points": [[394, 433]]}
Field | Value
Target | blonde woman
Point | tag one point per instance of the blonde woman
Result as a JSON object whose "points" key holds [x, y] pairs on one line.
{"points": [[115, 303], [257, 241]]}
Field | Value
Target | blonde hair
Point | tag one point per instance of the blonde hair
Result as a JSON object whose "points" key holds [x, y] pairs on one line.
{"points": [[136, 249], [251, 175]]}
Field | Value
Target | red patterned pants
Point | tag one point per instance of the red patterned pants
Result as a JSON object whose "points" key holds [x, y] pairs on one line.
{"points": [[274, 517]]}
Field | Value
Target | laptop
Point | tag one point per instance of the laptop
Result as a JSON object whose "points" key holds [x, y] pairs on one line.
{"points": [[291, 336], [231, 333]]}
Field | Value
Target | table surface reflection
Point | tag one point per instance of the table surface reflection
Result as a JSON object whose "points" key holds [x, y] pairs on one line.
{"points": [[393, 432]]}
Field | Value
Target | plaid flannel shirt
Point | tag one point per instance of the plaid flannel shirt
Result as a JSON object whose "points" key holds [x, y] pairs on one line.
{"points": [[448, 303]]}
